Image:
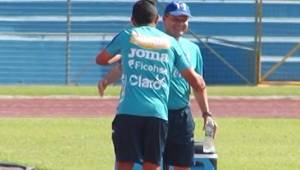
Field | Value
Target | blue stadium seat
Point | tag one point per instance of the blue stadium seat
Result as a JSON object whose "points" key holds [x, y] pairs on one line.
{"points": [[37, 29]]}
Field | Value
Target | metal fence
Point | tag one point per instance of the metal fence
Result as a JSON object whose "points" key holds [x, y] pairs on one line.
{"points": [[56, 41]]}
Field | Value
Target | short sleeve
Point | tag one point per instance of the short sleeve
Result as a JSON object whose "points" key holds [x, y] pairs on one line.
{"points": [[181, 61], [115, 46], [199, 62]]}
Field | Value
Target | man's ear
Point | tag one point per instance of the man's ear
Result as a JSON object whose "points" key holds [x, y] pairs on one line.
{"points": [[156, 19], [133, 21], [164, 18]]}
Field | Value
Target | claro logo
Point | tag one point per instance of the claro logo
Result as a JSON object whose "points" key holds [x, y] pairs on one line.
{"points": [[138, 80]]}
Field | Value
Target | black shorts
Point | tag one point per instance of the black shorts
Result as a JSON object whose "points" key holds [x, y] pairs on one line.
{"points": [[179, 149], [138, 139]]}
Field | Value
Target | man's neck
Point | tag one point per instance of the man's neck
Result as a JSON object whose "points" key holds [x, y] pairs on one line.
{"points": [[175, 36], [150, 24]]}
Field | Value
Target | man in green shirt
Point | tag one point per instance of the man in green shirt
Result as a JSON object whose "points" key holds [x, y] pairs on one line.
{"points": [[148, 59]]}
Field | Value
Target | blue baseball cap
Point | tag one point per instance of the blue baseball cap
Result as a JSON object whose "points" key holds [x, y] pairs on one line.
{"points": [[177, 9]]}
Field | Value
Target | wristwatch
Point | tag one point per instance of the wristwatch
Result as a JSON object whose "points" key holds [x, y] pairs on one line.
{"points": [[206, 114]]}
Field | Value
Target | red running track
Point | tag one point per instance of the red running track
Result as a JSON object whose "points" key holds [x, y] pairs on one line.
{"points": [[97, 107]]}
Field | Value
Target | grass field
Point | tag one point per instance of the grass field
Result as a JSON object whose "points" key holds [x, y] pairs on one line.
{"points": [[84, 143], [114, 90]]}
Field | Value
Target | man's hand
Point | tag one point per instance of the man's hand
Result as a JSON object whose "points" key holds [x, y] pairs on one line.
{"points": [[112, 76], [214, 122], [102, 84]]}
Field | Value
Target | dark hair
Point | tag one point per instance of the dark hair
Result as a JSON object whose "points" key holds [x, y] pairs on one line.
{"points": [[144, 12], [153, 2]]}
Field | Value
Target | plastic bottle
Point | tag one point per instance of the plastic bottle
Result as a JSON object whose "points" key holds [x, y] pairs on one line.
{"points": [[208, 141]]}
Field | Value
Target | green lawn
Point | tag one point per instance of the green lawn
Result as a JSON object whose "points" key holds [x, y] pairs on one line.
{"points": [[114, 90], [57, 143], [258, 144], [85, 143]]}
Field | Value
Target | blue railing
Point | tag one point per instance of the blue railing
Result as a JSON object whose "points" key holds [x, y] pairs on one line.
{"points": [[33, 38]]}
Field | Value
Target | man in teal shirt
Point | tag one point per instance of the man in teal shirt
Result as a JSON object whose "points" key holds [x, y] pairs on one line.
{"points": [[180, 141], [148, 58]]}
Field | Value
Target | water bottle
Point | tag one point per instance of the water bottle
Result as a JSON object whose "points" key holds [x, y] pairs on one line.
{"points": [[208, 141]]}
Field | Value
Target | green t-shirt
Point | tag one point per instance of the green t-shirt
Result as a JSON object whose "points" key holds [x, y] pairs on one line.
{"points": [[148, 58], [180, 89]]}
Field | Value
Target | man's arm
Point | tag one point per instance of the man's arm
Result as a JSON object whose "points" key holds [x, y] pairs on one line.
{"points": [[202, 100], [112, 76], [104, 58], [199, 87], [194, 79]]}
